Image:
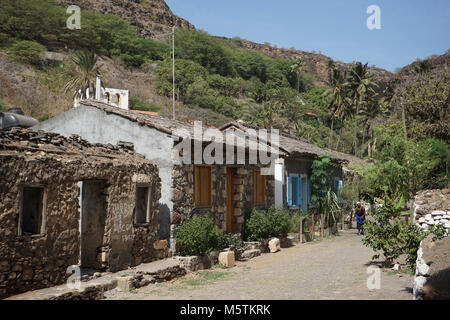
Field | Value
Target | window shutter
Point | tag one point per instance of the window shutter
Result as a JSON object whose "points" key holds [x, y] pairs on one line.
{"points": [[309, 190], [299, 191], [336, 185], [289, 191]]}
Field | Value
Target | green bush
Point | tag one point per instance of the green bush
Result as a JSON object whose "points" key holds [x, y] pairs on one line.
{"points": [[44, 117], [276, 222], [3, 106], [199, 236], [26, 51], [280, 222], [257, 226], [387, 233]]}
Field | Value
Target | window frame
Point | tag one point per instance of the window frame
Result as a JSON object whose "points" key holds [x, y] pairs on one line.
{"points": [[196, 186], [43, 211], [301, 184], [148, 213], [257, 172]]}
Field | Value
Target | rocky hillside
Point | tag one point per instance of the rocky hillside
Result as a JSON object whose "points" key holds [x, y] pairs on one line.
{"points": [[316, 63], [151, 17], [434, 62]]}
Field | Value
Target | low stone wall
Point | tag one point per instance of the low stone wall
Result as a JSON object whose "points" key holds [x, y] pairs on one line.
{"points": [[432, 277]]}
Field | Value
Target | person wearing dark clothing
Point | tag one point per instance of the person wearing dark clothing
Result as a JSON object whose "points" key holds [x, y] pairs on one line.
{"points": [[360, 217]]}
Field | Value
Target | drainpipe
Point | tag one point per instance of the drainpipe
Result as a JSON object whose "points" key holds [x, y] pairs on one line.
{"points": [[279, 182], [98, 88]]}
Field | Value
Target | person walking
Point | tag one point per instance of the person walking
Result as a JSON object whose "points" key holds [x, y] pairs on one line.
{"points": [[360, 217]]}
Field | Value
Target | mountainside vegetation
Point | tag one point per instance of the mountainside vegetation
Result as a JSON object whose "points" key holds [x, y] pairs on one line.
{"points": [[219, 80]]}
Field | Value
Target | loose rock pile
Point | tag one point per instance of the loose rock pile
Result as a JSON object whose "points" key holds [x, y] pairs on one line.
{"points": [[432, 207]]}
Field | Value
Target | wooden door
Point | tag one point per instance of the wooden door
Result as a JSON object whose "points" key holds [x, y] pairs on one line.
{"points": [[230, 200]]}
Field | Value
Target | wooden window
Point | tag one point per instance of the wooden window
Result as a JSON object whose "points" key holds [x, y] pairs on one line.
{"points": [[202, 186], [32, 214], [259, 187], [143, 203]]}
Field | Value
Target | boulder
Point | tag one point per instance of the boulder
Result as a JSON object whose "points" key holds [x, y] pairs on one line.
{"points": [[250, 254], [274, 245], [437, 213]]}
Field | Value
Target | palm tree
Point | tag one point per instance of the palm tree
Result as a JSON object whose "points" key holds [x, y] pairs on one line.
{"points": [[359, 85], [335, 96], [297, 67], [87, 68]]}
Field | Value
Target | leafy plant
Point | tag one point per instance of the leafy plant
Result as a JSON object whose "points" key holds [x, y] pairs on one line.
{"points": [[198, 236], [321, 177], [331, 207], [387, 233]]}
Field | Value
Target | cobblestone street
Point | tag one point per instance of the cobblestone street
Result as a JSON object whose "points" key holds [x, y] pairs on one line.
{"points": [[333, 268]]}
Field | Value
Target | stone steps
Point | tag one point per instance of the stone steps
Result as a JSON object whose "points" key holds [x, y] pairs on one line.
{"points": [[142, 275]]}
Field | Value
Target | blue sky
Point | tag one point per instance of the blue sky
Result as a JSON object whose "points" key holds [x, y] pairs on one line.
{"points": [[410, 29]]}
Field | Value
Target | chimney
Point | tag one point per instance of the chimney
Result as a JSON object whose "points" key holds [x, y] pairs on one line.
{"points": [[98, 88]]}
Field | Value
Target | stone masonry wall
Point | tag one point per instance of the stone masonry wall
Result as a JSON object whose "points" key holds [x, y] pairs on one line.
{"points": [[432, 277], [30, 158], [183, 194]]}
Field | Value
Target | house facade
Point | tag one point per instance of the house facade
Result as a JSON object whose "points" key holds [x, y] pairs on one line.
{"points": [[68, 202], [223, 190], [292, 172]]}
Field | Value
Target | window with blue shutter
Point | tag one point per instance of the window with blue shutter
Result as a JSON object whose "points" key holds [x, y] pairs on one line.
{"points": [[299, 191], [294, 192], [289, 191]]}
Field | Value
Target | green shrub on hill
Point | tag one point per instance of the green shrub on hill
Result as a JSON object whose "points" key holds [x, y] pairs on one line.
{"points": [[25, 51], [137, 103]]}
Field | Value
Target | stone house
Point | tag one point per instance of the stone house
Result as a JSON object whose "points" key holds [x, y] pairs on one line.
{"points": [[225, 191], [292, 188], [66, 202]]}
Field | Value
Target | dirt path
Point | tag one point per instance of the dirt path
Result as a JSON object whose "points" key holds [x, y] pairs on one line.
{"points": [[334, 268]]}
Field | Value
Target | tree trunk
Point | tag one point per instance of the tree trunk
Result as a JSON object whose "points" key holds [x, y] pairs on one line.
{"points": [[363, 140], [355, 143], [330, 143], [340, 134]]}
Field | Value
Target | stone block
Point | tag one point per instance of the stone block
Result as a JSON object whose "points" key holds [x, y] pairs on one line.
{"points": [[437, 213], [274, 245], [226, 258], [160, 244], [125, 283]]}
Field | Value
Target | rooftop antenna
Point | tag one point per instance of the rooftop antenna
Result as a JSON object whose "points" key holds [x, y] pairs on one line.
{"points": [[173, 72]]}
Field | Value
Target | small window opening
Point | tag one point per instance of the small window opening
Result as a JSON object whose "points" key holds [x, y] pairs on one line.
{"points": [[142, 204], [32, 210]]}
